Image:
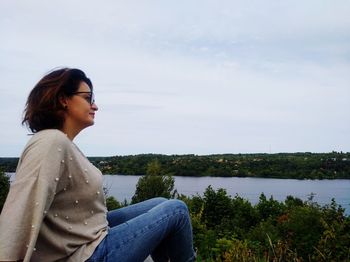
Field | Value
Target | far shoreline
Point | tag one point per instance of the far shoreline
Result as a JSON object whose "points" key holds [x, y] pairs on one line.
{"points": [[301, 166]]}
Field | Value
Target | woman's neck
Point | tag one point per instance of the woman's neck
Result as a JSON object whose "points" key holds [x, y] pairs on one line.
{"points": [[70, 131]]}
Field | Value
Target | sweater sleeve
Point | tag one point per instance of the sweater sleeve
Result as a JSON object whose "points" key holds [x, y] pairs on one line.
{"points": [[31, 194]]}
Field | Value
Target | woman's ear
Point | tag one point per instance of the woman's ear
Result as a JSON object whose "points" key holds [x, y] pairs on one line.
{"points": [[63, 101]]}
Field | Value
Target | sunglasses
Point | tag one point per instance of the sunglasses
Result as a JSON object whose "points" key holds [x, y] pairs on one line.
{"points": [[90, 99]]}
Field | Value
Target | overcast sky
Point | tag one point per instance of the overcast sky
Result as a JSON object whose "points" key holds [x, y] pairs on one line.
{"points": [[176, 77]]}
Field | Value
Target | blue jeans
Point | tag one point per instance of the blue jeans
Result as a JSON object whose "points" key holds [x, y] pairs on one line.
{"points": [[157, 227]]}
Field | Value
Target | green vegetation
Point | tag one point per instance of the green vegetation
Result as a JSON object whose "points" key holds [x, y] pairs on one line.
{"points": [[112, 203], [231, 229], [283, 165], [154, 184], [8, 164], [4, 188]]}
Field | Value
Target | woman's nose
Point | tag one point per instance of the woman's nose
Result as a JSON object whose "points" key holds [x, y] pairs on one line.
{"points": [[94, 106]]}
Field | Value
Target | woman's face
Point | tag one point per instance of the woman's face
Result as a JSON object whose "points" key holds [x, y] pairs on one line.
{"points": [[80, 113]]}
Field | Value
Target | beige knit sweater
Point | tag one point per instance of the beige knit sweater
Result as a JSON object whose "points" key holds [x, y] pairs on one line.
{"points": [[55, 210]]}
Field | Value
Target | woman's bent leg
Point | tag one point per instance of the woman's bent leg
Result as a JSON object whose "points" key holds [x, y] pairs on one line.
{"points": [[121, 215], [166, 225]]}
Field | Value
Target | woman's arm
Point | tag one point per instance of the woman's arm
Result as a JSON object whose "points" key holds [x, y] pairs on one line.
{"points": [[30, 197]]}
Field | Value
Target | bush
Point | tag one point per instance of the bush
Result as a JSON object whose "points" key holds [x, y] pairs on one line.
{"points": [[112, 203], [4, 188], [231, 229], [154, 184]]}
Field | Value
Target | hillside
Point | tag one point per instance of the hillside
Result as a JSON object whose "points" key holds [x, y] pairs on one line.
{"points": [[282, 165]]}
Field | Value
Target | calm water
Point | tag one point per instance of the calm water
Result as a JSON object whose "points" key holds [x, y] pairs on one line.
{"points": [[123, 187]]}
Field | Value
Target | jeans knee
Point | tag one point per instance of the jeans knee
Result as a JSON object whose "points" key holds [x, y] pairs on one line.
{"points": [[177, 204], [160, 199]]}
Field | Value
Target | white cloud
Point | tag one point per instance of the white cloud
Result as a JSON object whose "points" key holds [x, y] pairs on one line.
{"points": [[185, 76]]}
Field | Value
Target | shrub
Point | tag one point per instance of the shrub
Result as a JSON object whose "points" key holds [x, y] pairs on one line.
{"points": [[4, 188]]}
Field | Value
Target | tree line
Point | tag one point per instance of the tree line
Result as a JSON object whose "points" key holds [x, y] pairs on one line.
{"points": [[282, 165]]}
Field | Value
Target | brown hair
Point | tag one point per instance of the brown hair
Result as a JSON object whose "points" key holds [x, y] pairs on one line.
{"points": [[43, 109]]}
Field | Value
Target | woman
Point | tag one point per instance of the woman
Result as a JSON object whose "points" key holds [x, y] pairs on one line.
{"points": [[55, 210]]}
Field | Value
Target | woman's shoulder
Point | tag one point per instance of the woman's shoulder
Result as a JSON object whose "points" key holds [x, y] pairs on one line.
{"points": [[48, 138], [47, 147], [51, 134]]}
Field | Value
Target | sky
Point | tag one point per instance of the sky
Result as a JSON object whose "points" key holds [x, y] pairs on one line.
{"points": [[186, 77]]}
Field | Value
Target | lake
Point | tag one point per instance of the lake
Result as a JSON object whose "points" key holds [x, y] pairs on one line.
{"points": [[123, 187]]}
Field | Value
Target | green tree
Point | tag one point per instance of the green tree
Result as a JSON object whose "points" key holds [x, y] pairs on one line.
{"points": [[303, 229], [4, 188], [243, 216], [269, 208], [112, 203], [217, 206], [154, 184]]}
